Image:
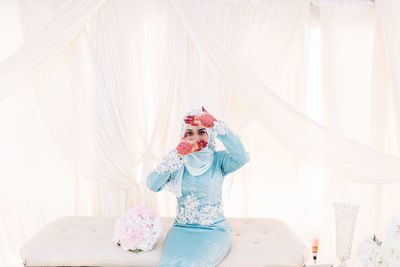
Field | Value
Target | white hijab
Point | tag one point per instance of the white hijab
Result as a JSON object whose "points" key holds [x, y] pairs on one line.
{"points": [[196, 163]]}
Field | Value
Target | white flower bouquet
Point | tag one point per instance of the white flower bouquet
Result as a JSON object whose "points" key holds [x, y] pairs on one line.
{"points": [[375, 253], [138, 229]]}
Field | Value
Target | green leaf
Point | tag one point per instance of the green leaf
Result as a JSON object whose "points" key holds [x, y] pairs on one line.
{"points": [[376, 240], [135, 250]]}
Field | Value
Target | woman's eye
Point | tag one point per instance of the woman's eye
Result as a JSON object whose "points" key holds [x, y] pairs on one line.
{"points": [[189, 133], [202, 132]]}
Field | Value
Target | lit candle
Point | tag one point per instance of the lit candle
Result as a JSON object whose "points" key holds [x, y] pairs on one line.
{"points": [[315, 249]]}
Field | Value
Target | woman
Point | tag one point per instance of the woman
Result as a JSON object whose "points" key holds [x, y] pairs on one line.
{"points": [[194, 172]]}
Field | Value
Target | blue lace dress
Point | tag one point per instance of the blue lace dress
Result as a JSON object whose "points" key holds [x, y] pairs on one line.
{"points": [[200, 234]]}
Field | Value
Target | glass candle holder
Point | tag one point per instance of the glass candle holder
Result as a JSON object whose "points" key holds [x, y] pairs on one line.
{"points": [[346, 215]]}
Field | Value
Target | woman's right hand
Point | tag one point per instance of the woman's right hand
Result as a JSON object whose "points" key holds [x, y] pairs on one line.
{"points": [[187, 147]]}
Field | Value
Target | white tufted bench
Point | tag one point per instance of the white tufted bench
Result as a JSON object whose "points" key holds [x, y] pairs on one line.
{"points": [[86, 241]]}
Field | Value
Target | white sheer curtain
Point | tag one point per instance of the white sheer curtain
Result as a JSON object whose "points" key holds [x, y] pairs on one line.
{"points": [[389, 22], [53, 37], [112, 94], [36, 184], [350, 106], [282, 23], [349, 91], [338, 155]]}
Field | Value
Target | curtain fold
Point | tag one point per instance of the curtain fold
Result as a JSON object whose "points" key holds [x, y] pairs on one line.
{"points": [[389, 23], [348, 38], [276, 22], [72, 101], [339, 156], [42, 48]]}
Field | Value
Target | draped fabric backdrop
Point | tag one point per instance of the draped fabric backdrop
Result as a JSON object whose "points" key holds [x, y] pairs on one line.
{"points": [[92, 94]]}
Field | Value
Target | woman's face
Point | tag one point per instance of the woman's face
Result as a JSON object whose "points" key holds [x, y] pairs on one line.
{"points": [[196, 133]]}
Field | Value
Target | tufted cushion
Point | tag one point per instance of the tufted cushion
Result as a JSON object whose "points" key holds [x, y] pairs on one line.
{"points": [[86, 241]]}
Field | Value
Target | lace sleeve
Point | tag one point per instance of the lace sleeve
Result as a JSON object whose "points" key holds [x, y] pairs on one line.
{"points": [[235, 155], [170, 163], [164, 171], [221, 128]]}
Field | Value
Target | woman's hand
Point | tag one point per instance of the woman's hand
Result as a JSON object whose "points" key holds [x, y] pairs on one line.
{"points": [[187, 147], [207, 120]]}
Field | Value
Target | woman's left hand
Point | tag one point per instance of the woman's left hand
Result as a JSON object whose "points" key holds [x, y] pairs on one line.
{"points": [[206, 119]]}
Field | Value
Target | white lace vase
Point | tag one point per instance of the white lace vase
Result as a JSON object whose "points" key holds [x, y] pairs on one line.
{"points": [[346, 215]]}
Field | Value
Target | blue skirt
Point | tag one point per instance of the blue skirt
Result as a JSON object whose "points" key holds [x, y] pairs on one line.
{"points": [[194, 245]]}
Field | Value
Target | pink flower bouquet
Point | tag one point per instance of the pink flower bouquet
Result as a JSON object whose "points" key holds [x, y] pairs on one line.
{"points": [[138, 229]]}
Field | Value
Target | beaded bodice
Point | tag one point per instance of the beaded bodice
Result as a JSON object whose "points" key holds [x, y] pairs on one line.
{"points": [[191, 211], [201, 200]]}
